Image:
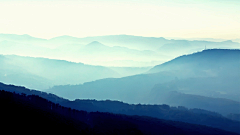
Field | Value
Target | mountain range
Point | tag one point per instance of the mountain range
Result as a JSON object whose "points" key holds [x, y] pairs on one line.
{"points": [[18, 97], [42, 73], [182, 74], [120, 84], [118, 49]]}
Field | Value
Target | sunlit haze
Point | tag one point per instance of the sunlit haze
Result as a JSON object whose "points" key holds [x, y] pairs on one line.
{"points": [[142, 67], [151, 18]]}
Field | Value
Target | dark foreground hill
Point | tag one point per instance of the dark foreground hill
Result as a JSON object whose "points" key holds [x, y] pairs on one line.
{"points": [[29, 114], [194, 116]]}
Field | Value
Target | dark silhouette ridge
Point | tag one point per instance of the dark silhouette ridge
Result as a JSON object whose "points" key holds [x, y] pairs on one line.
{"points": [[195, 116], [24, 112]]}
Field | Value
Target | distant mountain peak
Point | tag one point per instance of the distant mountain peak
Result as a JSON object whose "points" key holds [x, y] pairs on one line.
{"points": [[95, 44]]}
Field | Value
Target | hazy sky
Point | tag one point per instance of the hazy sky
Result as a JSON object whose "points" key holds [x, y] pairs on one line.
{"points": [[158, 18]]}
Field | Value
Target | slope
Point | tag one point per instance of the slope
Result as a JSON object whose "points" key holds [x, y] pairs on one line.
{"points": [[56, 72], [144, 124]]}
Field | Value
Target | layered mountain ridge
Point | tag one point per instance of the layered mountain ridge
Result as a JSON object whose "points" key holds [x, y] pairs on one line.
{"points": [[182, 114]]}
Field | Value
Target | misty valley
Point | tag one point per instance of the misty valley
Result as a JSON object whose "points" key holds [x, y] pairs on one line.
{"points": [[119, 84]]}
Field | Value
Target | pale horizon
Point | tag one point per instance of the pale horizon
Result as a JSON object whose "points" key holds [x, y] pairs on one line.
{"points": [[168, 19], [168, 38]]}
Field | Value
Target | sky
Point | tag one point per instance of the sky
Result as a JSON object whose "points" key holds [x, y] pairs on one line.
{"points": [[150, 18]]}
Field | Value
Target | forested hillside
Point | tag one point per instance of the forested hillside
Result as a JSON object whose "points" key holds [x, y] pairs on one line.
{"points": [[34, 112]]}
